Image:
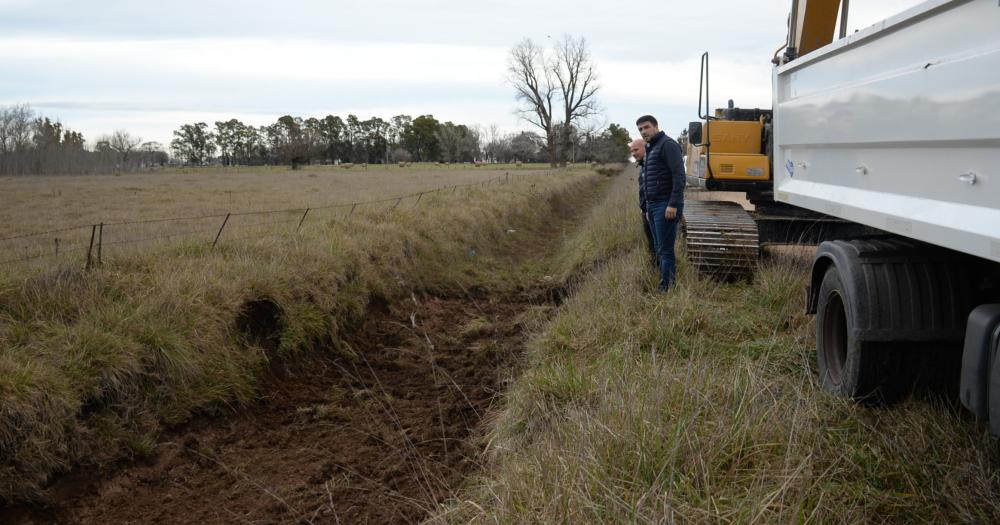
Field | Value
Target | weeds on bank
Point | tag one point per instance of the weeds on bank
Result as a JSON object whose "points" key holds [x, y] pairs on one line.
{"points": [[702, 406], [94, 365]]}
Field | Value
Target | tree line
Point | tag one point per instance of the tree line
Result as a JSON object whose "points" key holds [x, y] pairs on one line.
{"points": [[296, 141], [31, 144]]}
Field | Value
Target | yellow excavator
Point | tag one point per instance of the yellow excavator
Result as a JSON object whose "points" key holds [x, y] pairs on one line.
{"points": [[730, 150]]}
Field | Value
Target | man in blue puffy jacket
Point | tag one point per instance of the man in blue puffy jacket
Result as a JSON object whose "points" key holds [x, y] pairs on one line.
{"points": [[663, 185]]}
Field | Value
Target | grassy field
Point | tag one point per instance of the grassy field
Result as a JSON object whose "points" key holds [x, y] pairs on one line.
{"points": [[93, 365], [131, 206], [39, 203], [702, 406]]}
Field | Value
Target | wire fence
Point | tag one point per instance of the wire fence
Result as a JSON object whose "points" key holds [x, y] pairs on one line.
{"points": [[88, 245]]}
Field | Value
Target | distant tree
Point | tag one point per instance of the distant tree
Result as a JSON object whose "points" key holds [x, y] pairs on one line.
{"points": [[578, 86], [47, 134], [17, 122], [6, 144], [123, 144], [401, 155], [73, 140], [525, 146], [420, 138], [449, 137], [152, 154], [54, 149], [493, 144], [593, 144], [250, 144], [397, 125], [618, 139], [291, 142], [312, 134], [103, 151], [376, 139], [531, 74], [458, 143], [473, 150], [226, 138], [15, 138], [352, 138], [103, 145], [330, 133], [194, 143]]}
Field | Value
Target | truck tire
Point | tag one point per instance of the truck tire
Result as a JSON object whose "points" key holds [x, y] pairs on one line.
{"points": [[867, 372]]}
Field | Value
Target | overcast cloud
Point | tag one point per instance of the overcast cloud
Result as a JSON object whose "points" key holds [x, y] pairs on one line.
{"points": [[150, 66]]}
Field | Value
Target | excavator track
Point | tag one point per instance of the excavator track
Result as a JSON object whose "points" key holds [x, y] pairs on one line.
{"points": [[721, 238]]}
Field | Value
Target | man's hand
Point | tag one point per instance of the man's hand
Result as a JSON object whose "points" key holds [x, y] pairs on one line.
{"points": [[670, 213]]}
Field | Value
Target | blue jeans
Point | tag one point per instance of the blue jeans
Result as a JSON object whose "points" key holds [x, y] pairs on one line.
{"points": [[648, 230], [664, 236]]}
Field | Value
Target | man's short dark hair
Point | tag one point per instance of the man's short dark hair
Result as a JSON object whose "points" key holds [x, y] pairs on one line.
{"points": [[647, 118]]}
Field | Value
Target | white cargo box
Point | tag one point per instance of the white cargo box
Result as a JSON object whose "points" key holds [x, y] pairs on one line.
{"points": [[898, 127]]}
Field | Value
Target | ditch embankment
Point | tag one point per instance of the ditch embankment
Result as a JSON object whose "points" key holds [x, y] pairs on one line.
{"points": [[370, 411]]}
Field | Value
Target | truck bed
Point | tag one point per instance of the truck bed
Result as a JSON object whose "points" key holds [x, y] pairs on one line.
{"points": [[898, 127]]}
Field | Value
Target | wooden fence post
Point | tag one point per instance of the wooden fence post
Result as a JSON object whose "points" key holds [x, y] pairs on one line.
{"points": [[90, 249], [302, 219], [216, 241], [100, 244]]}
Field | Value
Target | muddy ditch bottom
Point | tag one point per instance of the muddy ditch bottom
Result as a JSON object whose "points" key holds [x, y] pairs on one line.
{"points": [[379, 438]]}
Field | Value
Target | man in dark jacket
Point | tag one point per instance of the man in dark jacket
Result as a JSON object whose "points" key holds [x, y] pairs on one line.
{"points": [[638, 149], [663, 185]]}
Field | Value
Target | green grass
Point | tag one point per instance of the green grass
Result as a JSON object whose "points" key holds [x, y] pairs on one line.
{"points": [[703, 406], [94, 365]]}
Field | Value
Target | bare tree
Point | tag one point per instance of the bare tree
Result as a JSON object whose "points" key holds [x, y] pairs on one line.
{"points": [[578, 87], [15, 138], [492, 140], [532, 77], [123, 143], [19, 128]]}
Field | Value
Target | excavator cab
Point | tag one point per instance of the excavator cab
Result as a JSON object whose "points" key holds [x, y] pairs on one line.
{"points": [[730, 149]]}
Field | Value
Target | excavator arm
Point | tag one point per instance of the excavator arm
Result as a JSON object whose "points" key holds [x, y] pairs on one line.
{"points": [[812, 24]]}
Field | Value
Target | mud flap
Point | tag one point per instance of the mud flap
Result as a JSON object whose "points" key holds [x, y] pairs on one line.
{"points": [[980, 384]]}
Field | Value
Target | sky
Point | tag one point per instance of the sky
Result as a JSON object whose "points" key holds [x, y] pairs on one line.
{"points": [[148, 67]]}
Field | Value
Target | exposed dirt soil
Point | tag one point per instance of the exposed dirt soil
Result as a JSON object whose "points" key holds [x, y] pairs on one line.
{"points": [[380, 436], [380, 431]]}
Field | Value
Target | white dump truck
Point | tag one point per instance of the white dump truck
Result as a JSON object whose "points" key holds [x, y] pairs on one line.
{"points": [[885, 145]]}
